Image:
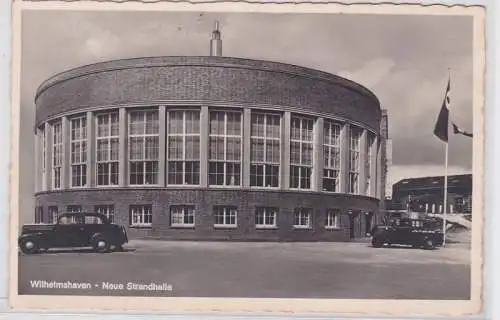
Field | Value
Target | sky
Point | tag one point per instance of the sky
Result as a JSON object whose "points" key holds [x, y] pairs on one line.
{"points": [[405, 60]]}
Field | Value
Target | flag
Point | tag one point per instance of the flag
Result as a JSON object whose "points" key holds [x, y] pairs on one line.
{"points": [[457, 130], [442, 123]]}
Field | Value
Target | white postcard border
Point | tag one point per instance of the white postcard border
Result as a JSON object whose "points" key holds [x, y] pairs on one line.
{"points": [[230, 306]]}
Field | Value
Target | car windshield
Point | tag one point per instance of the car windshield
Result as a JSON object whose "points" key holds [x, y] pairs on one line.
{"points": [[80, 219], [413, 223], [93, 220], [70, 220]]}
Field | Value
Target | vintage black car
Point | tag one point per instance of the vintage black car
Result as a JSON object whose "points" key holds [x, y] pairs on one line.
{"points": [[420, 233], [73, 230]]}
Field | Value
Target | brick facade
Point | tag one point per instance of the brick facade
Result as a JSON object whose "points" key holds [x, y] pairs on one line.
{"points": [[352, 210], [211, 80], [206, 83]]}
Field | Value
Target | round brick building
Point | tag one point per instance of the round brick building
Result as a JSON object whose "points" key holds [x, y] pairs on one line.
{"points": [[210, 148]]}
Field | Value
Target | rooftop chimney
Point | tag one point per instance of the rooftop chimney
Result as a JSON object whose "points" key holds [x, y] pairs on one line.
{"points": [[216, 42]]}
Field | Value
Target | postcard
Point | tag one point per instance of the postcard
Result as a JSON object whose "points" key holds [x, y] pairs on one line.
{"points": [[247, 159]]}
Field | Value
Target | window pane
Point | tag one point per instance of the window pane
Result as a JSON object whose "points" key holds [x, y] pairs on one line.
{"points": [[257, 150], [136, 173], [217, 123], [136, 123], [273, 151], [175, 119], [151, 172], [273, 126], [295, 152], [216, 173], [233, 174], [307, 150], [152, 124], [192, 122], [192, 172], [115, 124], [102, 150], [136, 148], [216, 148], [175, 172], [192, 147], [103, 125], [175, 150], [152, 146], [233, 148], [233, 123], [257, 125]]}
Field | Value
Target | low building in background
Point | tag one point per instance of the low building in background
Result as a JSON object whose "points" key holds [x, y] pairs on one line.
{"points": [[426, 194]]}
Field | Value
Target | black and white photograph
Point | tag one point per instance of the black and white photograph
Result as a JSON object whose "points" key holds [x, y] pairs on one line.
{"points": [[307, 156]]}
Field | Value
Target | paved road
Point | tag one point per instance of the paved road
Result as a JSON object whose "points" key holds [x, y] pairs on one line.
{"points": [[266, 270]]}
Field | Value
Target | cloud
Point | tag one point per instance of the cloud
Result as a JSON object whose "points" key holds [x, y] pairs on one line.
{"points": [[101, 44], [371, 73]]}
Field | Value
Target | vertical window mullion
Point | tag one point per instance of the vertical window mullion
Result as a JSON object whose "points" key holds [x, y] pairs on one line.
{"points": [[225, 148], [108, 158], [265, 151], [184, 148], [143, 156]]}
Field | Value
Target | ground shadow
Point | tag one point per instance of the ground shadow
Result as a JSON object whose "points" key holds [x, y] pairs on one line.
{"points": [[401, 247], [77, 250]]}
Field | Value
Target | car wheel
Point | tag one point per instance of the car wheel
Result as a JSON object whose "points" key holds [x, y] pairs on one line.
{"points": [[377, 243], [429, 244], [29, 246], [100, 244]]}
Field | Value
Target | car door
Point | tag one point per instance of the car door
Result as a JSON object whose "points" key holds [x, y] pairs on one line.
{"points": [[67, 232], [392, 233], [93, 225]]}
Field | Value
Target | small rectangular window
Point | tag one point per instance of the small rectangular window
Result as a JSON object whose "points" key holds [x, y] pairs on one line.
{"points": [[73, 209], [141, 215], [182, 216], [266, 217], [38, 215], [332, 219], [108, 210], [53, 214], [303, 218], [225, 216]]}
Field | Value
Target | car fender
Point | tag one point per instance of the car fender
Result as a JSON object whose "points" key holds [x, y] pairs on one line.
{"points": [[429, 237], [38, 236]]}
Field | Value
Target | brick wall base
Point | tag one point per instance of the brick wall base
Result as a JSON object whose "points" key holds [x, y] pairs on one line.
{"points": [[353, 220]]}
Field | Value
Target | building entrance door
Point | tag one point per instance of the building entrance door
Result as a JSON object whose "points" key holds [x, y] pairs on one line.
{"points": [[368, 222], [352, 234]]}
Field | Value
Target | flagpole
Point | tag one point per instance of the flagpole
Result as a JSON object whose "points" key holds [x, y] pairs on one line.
{"points": [[445, 192], [445, 200]]}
